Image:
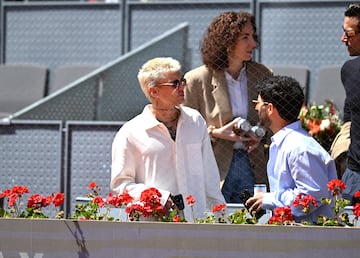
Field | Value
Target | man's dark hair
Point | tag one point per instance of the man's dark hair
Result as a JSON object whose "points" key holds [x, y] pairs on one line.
{"points": [[353, 10], [284, 93]]}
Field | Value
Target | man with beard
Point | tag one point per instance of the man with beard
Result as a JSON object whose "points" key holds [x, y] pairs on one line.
{"points": [[297, 162], [350, 77]]}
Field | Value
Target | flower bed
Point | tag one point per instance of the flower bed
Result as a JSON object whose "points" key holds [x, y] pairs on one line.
{"points": [[96, 232], [149, 208]]}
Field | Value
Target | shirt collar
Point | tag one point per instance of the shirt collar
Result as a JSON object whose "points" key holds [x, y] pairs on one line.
{"points": [[230, 78], [280, 135], [150, 120]]}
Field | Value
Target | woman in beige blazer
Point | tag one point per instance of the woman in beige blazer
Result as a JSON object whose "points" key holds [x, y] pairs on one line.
{"points": [[222, 90]]}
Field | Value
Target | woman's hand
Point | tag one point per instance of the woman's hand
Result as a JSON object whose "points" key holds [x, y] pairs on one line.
{"points": [[227, 133]]}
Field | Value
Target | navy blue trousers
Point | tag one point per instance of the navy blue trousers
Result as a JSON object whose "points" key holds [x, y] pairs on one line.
{"points": [[239, 177]]}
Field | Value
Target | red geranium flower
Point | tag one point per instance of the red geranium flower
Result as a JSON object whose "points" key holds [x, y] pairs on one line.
{"points": [[190, 200], [58, 199], [5, 193], [12, 199], [92, 185], [37, 201], [150, 205], [34, 202], [357, 194], [125, 197], [336, 186], [135, 211], [176, 218], [282, 215], [119, 200], [14, 194], [219, 208], [356, 210], [99, 201], [150, 195], [20, 189], [305, 201]]}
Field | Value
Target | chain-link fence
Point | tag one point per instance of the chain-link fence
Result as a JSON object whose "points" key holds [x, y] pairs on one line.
{"points": [[120, 36]]}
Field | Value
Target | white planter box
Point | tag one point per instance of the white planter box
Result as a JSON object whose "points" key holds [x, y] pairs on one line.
{"points": [[67, 239]]}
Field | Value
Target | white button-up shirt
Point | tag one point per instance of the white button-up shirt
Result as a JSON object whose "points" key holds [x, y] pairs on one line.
{"points": [[144, 155], [238, 93]]}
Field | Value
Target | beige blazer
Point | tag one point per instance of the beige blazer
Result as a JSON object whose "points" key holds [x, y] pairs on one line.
{"points": [[341, 142], [207, 92]]}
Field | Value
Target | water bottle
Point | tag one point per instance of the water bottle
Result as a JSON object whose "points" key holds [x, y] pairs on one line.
{"points": [[258, 131], [241, 127]]}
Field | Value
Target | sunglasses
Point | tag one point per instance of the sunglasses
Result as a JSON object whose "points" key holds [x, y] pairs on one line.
{"points": [[256, 102], [175, 84]]}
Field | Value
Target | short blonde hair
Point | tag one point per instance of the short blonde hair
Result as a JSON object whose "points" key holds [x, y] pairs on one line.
{"points": [[154, 70]]}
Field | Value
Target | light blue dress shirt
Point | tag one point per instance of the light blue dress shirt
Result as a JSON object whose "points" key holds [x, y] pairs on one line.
{"points": [[298, 164]]}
